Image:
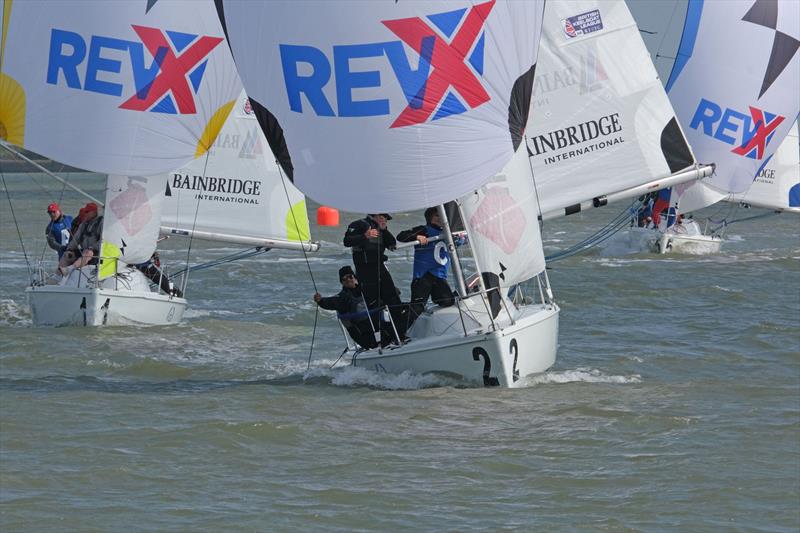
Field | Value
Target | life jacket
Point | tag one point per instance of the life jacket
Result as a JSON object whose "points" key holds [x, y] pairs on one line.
{"points": [[61, 230], [433, 257]]}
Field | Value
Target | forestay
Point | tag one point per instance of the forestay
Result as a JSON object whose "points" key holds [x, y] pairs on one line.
{"points": [[777, 185], [600, 121], [131, 219], [734, 87], [237, 193], [133, 88], [501, 218], [388, 106]]}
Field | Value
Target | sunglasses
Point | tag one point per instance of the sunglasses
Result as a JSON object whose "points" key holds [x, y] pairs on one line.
{"points": [[348, 276]]}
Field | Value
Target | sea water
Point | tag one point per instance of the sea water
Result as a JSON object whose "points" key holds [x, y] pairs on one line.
{"points": [[674, 403]]}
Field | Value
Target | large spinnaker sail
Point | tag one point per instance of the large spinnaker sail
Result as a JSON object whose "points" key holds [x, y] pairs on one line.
{"points": [[777, 185], [132, 87], [130, 220], [388, 106], [734, 87], [601, 122], [237, 193], [501, 218]]}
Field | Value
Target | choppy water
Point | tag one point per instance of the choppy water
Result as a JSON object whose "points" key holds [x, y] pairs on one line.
{"points": [[674, 403]]}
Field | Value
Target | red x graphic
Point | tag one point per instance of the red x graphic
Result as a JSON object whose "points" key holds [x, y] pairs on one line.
{"points": [[447, 61], [759, 140], [173, 70]]}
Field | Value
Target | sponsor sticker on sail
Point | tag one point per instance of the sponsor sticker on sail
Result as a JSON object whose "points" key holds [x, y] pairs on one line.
{"points": [[583, 24]]}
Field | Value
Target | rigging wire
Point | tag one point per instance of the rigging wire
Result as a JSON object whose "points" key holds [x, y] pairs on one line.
{"points": [[244, 254], [19, 233], [305, 256], [194, 225], [606, 232]]}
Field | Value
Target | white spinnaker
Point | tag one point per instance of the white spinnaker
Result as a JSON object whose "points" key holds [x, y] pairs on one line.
{"points": [[600, 121], [131, 216], [777, 185], [501, 218], [734, 87], [387, 106], [133, 87], [237, 190]]}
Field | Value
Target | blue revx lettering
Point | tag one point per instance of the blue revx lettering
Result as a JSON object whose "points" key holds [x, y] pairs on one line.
{"points": [[68, 51], [317, 74], [724, 125]]}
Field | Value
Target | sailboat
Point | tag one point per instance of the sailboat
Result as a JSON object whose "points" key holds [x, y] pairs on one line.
{"points": [[386, 107], [122, 89], [602, 129], [733, 83]]}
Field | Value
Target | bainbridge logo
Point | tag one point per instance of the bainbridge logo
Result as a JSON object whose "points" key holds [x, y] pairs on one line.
{"points": [[748, 133], [167, 85], [446, 82]]}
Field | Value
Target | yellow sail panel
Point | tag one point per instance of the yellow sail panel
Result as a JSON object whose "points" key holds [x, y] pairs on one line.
{"points": [[212, 129], [297, 223], [109, 255]]}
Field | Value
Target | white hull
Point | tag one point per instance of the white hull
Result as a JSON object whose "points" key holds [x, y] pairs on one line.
{"points": [[684, 239], [669, 242], [78, 302], [485, 356]]}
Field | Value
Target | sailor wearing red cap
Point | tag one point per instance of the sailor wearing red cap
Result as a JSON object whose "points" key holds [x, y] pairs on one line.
{"points": [[58, 229]]}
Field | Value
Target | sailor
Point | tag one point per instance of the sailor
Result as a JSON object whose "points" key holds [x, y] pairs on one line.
{"points": [[152, 269], [352, 309], [370, 238], [58, 229], [85, 244], [431, 260]]}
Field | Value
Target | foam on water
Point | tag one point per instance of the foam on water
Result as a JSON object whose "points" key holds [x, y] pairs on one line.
{"points": [[585, 375], [13, 313], [350, 376]]}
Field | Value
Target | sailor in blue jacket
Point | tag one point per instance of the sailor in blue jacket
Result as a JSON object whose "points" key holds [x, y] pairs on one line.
{"points": [[431, 260], [58, 229]]}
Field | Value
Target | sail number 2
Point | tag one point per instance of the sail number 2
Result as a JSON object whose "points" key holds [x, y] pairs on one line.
{"points": [[488, 381]]}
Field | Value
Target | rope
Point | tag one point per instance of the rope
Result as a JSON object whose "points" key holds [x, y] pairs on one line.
{"points": [[244, 254], [194, 225], [606, 232], [305, 256], [19, 233]]}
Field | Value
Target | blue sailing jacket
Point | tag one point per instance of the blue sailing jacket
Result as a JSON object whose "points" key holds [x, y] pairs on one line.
{"points": [[58, 234]]}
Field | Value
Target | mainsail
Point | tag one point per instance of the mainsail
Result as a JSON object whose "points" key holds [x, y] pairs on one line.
{"points": [[134, 88], [388, 106], [601, 126], [734, 86], [777, 184], [237, 193]]}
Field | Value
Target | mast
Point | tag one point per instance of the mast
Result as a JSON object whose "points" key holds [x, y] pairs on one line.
{"points": [[451, 247]]}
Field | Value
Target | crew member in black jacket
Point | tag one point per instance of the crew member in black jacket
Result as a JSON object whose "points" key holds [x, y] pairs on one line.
{"points": [[370, 238], [350, 305]]}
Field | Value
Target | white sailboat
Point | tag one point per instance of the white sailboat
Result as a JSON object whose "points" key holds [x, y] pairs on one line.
{"points": [[602, 128], [121, 89], [426, 105], [733, 83]]}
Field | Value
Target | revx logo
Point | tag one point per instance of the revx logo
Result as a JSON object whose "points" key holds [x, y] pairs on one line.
{"points": [[165, 86], [450, 47], [750, 134]]}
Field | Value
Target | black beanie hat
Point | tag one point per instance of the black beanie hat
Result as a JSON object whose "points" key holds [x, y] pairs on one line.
{"points": [[344, 271]]}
